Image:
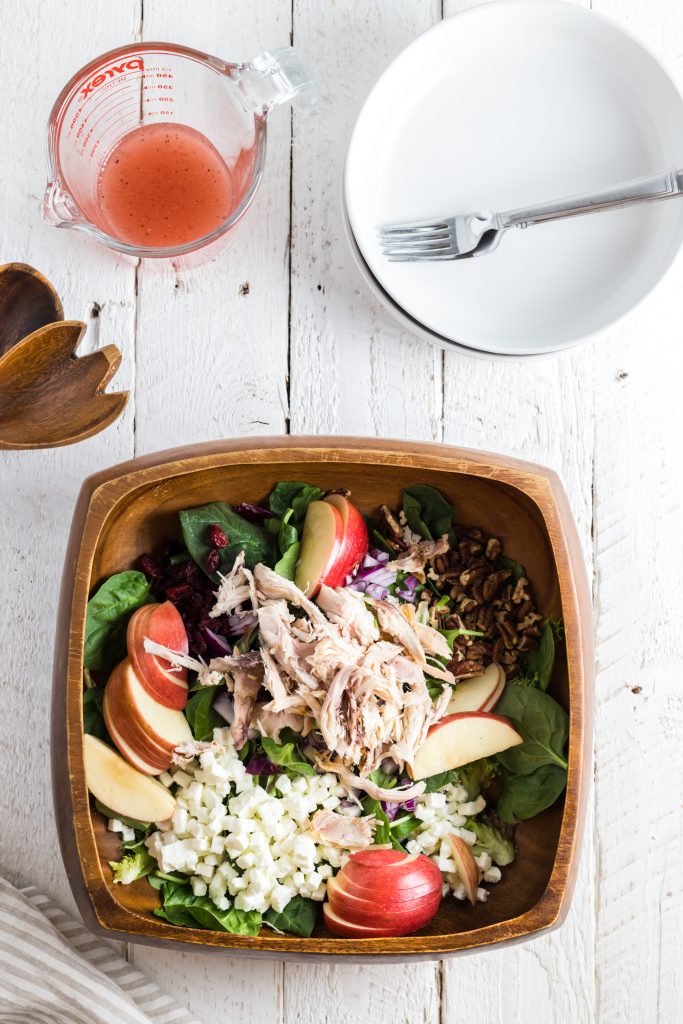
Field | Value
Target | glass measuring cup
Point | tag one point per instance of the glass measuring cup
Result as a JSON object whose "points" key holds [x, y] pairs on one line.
{"points": [[214, 109]]}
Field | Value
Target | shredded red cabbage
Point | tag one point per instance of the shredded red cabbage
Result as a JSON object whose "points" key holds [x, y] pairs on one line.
{"points": [[261, 765], [392, 809], [241, 624], [216, 645], [252, 512]]}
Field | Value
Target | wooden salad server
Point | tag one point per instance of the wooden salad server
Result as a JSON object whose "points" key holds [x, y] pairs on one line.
{"points": [[48, 395]]}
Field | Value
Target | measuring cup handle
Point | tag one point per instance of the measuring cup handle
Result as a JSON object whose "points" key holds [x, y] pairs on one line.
{"points": [[58, 207], [275, 77]]}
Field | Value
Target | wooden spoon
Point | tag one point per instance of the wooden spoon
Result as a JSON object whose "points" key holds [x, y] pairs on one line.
{"points": [[48, 396]]}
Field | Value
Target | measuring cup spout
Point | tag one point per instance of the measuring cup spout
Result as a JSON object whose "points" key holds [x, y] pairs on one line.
{"points": [[58, 207], [278, 76]]}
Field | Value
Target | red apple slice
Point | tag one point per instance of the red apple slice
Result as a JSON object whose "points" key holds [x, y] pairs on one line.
{"points": [[146, 763], [350, 930], [460, 739], [162, 624], [354, 544], [466, 865], [413, 913], [117, 785], [149, 729], [320, 545], [479, 693]]}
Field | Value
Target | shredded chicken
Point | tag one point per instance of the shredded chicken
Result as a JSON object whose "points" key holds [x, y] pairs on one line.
{"points": [[347, 609], [351, 781], [417, 556], [233, 590], [276, 587], [271, 723], [193, 748], [247, 672], [340, 830], [398, 628]]}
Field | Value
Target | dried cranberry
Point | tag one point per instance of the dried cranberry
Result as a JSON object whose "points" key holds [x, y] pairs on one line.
{"points": [[187, 570], [150, 566], [213, 560], [179, 593], [217, 538], [198, 643]]}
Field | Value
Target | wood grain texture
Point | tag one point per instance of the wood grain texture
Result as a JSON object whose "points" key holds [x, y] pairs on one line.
{"points": [[610, 435], [121, 510], [638, 556]]}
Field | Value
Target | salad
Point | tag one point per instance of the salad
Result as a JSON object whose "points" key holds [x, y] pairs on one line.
{"points": [[296, 715]]}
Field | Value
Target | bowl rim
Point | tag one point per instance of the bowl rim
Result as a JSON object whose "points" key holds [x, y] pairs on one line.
{"points": [[99, 496]]}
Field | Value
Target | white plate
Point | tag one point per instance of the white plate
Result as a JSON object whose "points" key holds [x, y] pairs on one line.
{"points": [[507, 104], [414, 326]]}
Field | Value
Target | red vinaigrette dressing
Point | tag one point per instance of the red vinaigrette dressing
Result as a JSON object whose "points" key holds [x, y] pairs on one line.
{"points": [[166, 185]]}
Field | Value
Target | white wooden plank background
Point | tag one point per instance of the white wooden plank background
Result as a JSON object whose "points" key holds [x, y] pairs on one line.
{"points": [[304, 348]]}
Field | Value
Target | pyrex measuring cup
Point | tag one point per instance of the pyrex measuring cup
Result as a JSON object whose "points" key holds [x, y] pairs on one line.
{"points": [[224, 104]]}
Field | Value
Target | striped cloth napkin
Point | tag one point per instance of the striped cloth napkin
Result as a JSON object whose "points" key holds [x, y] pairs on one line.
{"points": [[53, 971]]}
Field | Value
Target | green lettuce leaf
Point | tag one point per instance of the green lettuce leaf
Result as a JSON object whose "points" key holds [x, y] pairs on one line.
{"points": [[286, 755], [491, 840], [132, 866]]}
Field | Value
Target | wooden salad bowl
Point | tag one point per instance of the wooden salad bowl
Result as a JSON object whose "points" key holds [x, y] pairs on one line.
{"points": [[129, 509]]}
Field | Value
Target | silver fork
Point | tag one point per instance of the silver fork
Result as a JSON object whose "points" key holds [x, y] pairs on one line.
{"points": [[475, 234]]}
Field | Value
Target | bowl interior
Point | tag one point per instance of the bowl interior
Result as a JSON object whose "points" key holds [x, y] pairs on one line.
{"points": [[147, 514]]}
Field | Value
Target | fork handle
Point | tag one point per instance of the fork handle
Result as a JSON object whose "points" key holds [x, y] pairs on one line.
{"points": [[639, 190]]}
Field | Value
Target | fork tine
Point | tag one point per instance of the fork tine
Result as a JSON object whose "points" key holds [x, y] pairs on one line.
{"points": [[423, 257], [404, 249], [416, 226], [410, 236]]}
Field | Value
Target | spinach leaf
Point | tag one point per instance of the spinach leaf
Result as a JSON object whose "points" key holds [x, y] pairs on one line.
{"points": [[543, 724], [401, 828], [242, 535], [382, 779], [287, 755], [287, 533], [427, 512], [381, 543], [139, 826], [525, 796], [93, 718], [295, 495], [297, 918], [518, 571], [200, 714], [132, 866], [436, 782], [286, 567], [106, 620], [491, 840], [540, 662], [182, 907]]}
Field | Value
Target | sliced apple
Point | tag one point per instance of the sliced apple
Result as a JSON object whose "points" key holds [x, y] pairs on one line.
{"points": [[348, 929], [460, 739], [116, 784], [147, 763], [163, 624], [466, 865], [149, 729], [320, 545], [354, 545], [478, 693]]}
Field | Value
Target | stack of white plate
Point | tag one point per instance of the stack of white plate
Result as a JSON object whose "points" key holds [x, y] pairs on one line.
{"points": [[506, 105]]}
